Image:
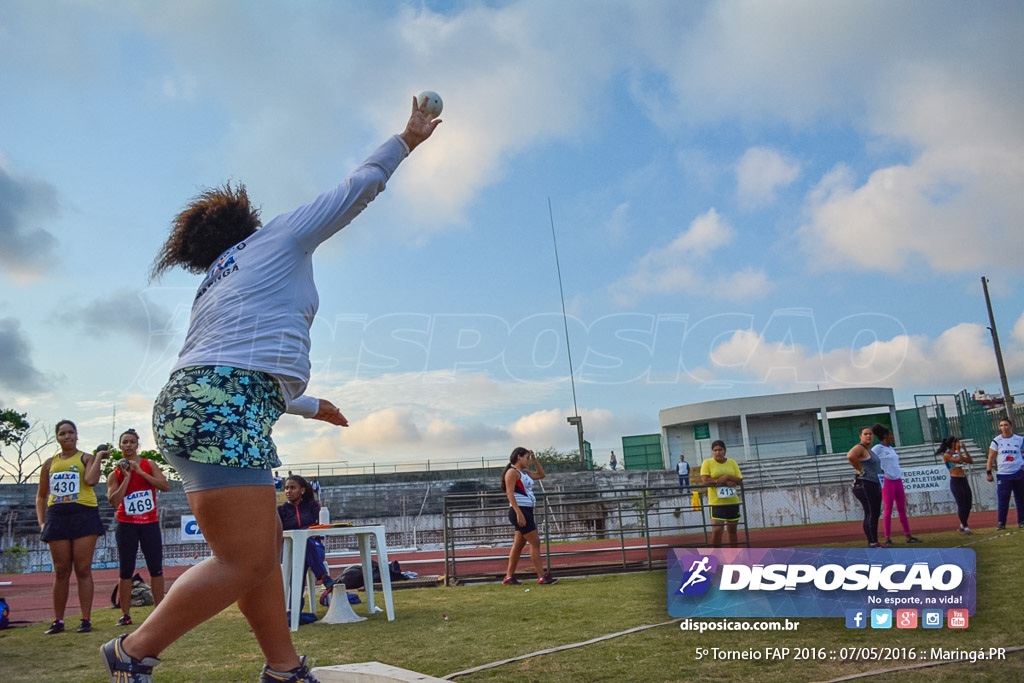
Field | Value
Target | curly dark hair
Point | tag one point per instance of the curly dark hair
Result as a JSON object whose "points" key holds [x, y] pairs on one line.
{"points": [[212, 221]]}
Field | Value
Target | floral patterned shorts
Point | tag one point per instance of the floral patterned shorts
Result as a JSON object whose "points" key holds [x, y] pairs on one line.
{"points": [[218, 415]]}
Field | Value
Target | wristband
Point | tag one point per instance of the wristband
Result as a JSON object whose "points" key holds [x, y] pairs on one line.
{"points": [[988, 471]]}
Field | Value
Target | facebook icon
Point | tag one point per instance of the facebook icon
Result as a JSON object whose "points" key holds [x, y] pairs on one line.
{"points": [[856, 618]]}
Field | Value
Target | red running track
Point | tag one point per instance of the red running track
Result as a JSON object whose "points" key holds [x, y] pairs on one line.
{"points": [[30, 598]]}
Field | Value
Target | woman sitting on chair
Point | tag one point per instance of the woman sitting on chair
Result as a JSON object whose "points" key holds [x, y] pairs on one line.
{"points": [[301, 511]]}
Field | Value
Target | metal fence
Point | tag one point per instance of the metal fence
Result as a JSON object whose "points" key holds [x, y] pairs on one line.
{"points": [[586, 531]]}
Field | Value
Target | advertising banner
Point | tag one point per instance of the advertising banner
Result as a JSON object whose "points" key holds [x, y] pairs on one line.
{"points": [[818, 582], [190, 531], [929, 478]]}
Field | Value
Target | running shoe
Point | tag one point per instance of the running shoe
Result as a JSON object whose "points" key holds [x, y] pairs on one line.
{"points": [[125, 620], [547, 580], [966, 530], [85, 626], [328, 582], [510, 581], [55, 627], [122, 667], [888, 543], [875, 545], [911, 539], [1021, 525], [1000, 527], [299, 674]]}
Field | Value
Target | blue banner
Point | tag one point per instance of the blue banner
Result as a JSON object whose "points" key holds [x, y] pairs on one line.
{"points": [[817, 582]]}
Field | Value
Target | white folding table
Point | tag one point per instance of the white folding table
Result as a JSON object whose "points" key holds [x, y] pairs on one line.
{"points": [[293, 560]]}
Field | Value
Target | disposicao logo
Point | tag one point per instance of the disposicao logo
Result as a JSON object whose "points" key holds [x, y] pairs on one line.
{"points": [[823, 582], [696, 581]]}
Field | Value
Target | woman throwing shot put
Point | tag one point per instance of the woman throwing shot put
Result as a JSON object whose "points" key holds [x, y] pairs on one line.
{"points": [[518, 482], [245, 361], [131, 488]]}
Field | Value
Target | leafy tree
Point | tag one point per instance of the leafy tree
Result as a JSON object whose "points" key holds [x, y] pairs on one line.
{"points": [[13, 426], [550, 455], [27, 443]]}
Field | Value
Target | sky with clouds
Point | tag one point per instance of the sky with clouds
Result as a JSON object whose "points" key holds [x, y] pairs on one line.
{"points": [[747, 198]]}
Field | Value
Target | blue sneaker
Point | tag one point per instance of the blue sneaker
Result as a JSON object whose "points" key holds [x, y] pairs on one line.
{"points": [[122, 667], [299, 674]]}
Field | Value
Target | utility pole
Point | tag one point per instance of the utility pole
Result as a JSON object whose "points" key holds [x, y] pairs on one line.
{"points": [[1007, 396], [575, 420]]}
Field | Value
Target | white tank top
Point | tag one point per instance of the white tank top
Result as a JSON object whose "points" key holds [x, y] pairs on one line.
{"points": [[524, 491]]}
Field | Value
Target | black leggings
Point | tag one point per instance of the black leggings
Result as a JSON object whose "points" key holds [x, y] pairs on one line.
{"points": [[869, 493], [963, 496], [130, 537]]}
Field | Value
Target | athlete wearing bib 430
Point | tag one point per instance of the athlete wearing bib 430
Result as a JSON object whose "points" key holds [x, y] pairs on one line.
{"points": [[1005, 455], [70, 521], [131, 488]]}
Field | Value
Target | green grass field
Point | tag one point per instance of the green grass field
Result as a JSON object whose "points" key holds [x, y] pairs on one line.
{"points": [[487, 623]]}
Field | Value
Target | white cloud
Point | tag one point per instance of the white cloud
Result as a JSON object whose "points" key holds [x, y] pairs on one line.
{"points": [[683, 267], [387, 427], [1018, 330], [545, 428], [956, 199], [760, 172], [961, 356]]}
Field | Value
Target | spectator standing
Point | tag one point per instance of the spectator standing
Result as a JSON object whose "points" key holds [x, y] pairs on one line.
{"points": [[955, 456], [893, 492], [517, 482], [683, 470], [866, 486], [1006, 458]]}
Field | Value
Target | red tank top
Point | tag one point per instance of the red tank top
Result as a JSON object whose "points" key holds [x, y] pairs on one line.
{"points": [[139, 503]]}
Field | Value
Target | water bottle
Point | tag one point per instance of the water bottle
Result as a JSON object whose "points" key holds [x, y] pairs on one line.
{"points": [[325, 516]]}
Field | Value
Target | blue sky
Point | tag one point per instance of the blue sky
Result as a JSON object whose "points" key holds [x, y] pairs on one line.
{"points": [[748, 198]]}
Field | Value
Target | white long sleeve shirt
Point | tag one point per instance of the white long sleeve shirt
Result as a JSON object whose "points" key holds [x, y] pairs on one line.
{"points": [[255, 307]]}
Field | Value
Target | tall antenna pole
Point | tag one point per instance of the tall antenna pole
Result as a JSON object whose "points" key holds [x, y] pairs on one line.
{"points": [[576, 419], [1007, 397]]}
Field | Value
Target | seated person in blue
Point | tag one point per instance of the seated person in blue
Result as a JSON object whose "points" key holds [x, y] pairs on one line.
{"points": [[300, 511]]}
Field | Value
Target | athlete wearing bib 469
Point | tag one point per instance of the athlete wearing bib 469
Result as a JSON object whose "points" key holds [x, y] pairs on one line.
{"points": [[1006, 457], [131, 488]]}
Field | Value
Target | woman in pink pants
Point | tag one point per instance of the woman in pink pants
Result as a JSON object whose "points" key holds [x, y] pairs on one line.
{"points": [[892, 484]]}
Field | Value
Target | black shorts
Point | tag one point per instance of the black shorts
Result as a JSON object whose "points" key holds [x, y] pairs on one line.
{"points": [[726, 513], [130, 538], [528, 514], [68, 521]]}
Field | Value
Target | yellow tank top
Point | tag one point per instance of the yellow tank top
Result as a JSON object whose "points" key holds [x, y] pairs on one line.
{"points": [[67, 483]]}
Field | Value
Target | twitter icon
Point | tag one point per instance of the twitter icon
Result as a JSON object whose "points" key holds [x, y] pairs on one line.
{"points": [[881, 618]]}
